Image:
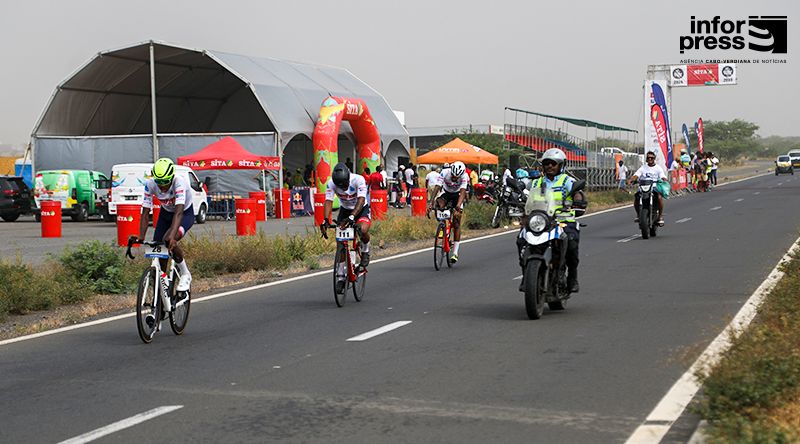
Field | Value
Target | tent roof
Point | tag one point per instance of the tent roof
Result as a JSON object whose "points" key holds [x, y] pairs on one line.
{"points": [[227, 153], [457, 149], [203, 91]]}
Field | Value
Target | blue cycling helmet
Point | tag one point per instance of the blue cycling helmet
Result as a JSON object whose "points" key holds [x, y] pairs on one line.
{"points": [[522, 173]]}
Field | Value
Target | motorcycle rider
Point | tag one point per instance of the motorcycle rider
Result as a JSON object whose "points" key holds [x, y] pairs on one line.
{"points": [[452, 184], [560, 183], [654, 173]]}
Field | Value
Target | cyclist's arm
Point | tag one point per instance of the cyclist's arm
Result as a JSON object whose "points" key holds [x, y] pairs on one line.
{"points": [[147, 204], [462, 194], [328, 210], [359, 206], [436, 190]]}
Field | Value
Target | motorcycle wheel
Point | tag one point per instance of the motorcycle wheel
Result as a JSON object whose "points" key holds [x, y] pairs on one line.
{"points": [[653, 230], [644, 222], [498, 214], [534, 289]]}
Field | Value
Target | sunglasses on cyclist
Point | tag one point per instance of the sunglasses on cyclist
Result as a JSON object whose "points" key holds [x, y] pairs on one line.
{"points": [[549, 162], [163, 181]]}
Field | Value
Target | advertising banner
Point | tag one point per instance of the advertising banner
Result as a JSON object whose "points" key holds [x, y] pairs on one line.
{"points": [[658, 96], [651, 142], [686, 139], [660, 125], [698, 127], [702, 75]]}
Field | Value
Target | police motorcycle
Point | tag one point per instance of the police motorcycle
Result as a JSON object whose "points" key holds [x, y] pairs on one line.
{"points": [[543, 256], [510, 201], [648, 208]]}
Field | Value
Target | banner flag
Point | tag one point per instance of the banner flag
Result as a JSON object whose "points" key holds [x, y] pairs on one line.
{"points": [[699, 128], [686, 138], [658, 95], [657, 117]]}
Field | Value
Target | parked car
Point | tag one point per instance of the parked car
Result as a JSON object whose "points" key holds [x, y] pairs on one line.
{"points": [[75, 189], [127, 187], [794, 155], [783, 165], [15, 198]]}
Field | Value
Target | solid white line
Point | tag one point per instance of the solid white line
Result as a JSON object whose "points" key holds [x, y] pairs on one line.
{"points": [[379, 331], [119, 425], [296, 278], [518, 277], [630, 238], [671, 406], [715, 208], [685, 219]]}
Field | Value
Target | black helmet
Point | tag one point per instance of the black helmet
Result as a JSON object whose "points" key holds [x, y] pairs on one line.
{"points": [[341, 176]]}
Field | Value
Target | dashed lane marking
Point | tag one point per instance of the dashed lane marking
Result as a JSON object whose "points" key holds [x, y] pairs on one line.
{"points": [[119, 425], [379, 331], [630, 238]]}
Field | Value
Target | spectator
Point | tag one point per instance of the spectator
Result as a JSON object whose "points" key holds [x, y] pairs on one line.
{"points": [[714, 165], [297, 179], [622, 175], [385, 182], [376, 180], [507, 175], [367, 176], [349, 163], [308, 175], [487, 175], [409, 175], [430, 182]]}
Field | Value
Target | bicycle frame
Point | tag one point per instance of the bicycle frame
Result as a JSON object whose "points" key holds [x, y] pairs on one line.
{"points": [[351, 267]]}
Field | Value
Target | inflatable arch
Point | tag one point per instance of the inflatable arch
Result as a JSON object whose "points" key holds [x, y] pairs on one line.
{"points": [[326, 135]]}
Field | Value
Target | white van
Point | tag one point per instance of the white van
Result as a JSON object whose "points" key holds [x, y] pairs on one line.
{"points": [[127, 186]]}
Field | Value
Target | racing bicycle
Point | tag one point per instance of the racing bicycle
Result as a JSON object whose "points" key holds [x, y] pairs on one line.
{"points": [[442, 245], [156, 297], [346, 270]]}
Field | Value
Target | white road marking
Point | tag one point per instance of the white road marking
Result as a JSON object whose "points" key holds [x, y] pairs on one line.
{"points": [[685, 219], [379, 331], [630, 238], [715, 208], [671, 406], [518, 277], [297, 278], [756, 193], [779, 184], [737, 200], [119, 425]]}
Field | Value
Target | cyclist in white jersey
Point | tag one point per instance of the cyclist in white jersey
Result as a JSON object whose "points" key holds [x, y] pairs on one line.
{"points": [[353, 196], [176, 199], [451, 190]]}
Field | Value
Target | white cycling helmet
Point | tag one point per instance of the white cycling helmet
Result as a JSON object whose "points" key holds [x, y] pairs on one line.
{"points": [[457, 168], [554, 154]]}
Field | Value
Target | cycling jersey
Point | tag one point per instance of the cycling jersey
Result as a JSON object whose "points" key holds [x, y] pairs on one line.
{"points": [[349, 197], [177, 194], [452, 184]]}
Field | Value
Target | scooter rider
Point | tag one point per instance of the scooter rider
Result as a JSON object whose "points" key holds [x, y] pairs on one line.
{"points": [[654, 173], [560, 183]]}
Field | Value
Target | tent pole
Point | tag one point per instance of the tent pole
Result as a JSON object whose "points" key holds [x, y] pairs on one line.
{"points": [[153, 100], [264, 180]]}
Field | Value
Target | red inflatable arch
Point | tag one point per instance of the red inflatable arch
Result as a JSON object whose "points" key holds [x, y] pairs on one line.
{"points": [[326, 136]]}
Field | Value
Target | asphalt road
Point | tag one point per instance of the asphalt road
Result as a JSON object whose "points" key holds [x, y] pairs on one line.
{"points": [[275, 364]]}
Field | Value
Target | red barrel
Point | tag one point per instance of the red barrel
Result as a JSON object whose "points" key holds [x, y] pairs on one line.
{"points": [[245, 217], [261, 204], [156, 210], [129, 217], [419, 200], [51, 218], [283, 209], [378, 203], [319, 208]]}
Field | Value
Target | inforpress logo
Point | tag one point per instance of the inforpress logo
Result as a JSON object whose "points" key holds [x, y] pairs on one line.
{"points": [[758, 33]]}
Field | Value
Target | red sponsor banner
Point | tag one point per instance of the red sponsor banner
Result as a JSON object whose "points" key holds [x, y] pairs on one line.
{"points": [[661, 128], [707, 74], [700, 137]]}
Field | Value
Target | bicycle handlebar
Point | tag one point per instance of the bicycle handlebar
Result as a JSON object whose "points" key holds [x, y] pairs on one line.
{"points": [[133, 242]]}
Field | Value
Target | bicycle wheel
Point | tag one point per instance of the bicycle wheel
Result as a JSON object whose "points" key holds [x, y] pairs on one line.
{"points": [[147, 303], [340, 275], [449, 251], [438, 247], [360, 284], [181, 300]]}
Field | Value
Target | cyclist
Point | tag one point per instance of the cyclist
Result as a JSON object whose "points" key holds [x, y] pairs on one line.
{"points": [[353, 205], [560, 183], [176, 198], [451, 190]]}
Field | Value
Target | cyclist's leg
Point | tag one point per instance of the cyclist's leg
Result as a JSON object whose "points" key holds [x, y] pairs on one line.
{"points": [[363, 220], [162, 226], [177, 253]]}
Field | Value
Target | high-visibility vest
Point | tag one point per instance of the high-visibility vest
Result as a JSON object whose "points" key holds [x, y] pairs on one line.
{"points": [[559, 195]]}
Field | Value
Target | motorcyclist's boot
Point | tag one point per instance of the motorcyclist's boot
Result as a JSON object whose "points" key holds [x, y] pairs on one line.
{"points": [[572, 281]]}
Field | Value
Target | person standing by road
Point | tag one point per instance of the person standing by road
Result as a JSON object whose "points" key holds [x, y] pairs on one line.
{"points": [[376, 179], [430, 182], [714, 166], [622, 176], [409, 176]]}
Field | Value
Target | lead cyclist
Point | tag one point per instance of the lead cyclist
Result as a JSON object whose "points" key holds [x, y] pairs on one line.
{"points": [[353, 210]]}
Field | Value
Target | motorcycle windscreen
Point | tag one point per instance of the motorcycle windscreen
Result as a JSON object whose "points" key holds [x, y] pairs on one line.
{"points": [[541, 199]]}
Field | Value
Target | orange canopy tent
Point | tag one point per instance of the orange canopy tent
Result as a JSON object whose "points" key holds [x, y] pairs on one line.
{"points": [[457, 149]]}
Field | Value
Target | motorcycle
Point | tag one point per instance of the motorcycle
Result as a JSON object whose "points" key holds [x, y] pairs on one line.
{"points": [[648, 208], [511, 202], [543, 257], [482, 193]]}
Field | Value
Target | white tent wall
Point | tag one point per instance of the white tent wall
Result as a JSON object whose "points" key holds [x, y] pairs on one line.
{"points": [[395, 150]]}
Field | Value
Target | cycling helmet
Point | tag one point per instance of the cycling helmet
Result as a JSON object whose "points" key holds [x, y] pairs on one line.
{"points": [[163, 171], [522, 173], [457, 169], [341, 176], [554, 154]]}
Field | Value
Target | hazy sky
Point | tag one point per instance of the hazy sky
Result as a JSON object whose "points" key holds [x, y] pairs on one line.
{"points": [[442, 62]]}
